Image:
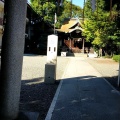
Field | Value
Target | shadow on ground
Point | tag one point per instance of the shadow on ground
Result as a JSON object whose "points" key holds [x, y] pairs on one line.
{"points": [[36, 96], [87, 98], [33, 55], [113, 81]]}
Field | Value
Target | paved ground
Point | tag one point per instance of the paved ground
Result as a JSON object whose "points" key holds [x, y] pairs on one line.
{"points": [[34, 67], [84, 95], [107, 68], [37, 96]]}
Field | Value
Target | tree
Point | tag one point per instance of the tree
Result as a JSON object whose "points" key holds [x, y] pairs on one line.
{"points": [[44, 9], [48, 9], [101, 27]]}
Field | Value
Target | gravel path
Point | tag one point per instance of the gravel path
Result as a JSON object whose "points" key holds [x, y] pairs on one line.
{"points": [[107, 68], [35, 95], [34, 66]]}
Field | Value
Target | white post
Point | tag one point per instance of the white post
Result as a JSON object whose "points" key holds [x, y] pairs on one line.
{"points": [[55, 21], [50, 66], [119, 72]]}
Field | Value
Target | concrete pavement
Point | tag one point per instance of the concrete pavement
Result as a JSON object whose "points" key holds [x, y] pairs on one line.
{"points": [[84, 95]]}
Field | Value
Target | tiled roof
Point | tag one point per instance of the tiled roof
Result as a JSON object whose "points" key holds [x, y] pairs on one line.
{"points": [[68, 24]]}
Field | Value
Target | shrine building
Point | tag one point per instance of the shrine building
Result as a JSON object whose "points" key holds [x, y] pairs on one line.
{"points": [[70, 37]]}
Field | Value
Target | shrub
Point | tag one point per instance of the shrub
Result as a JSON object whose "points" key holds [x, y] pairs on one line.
{"points": [[116, 58]]}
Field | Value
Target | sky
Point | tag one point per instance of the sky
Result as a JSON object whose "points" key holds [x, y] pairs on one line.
{"points": [[76, 2]]}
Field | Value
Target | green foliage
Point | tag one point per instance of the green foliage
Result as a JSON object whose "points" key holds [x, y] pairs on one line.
{"points": [[101, 28], [48, 10], [44, 9], [116, 58]]}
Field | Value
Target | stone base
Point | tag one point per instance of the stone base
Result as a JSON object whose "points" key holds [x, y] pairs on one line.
{"points": [[92, 55], [63, 54], [50, 73]]}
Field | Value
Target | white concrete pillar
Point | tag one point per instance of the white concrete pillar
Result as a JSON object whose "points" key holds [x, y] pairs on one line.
{"points": [[50, 66]]}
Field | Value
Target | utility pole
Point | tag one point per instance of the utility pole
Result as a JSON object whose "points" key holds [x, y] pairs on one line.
{"points": [[83, 23]]}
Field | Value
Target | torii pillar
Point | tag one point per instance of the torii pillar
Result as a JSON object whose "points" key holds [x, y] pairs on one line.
{"points": [[12, 58]]}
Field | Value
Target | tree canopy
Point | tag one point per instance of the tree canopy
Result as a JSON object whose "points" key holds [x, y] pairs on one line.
{"points": [[101, 26], [47, 10]]}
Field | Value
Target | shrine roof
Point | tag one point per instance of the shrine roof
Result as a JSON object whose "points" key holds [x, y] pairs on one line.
{"points": [[69, 25]]}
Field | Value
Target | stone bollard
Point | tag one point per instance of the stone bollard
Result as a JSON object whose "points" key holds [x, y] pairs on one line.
{"points": [[50, 66]]}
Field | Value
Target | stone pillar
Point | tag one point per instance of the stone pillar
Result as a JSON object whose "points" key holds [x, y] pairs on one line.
{"points": [[50, 66], [12, 58]]}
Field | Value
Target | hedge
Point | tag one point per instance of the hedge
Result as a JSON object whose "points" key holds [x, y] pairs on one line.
{"points": [[116, 58]]}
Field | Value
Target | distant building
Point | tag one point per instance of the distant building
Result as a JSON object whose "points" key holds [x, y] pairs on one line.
{"points": [[70, 37]]}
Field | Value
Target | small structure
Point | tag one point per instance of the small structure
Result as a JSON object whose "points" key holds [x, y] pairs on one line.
{"points": [[70, 37], [50, 66]]}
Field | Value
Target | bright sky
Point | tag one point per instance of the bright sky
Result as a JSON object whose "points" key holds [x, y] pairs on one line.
{"points": [[76, 2], [28, 0]]}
